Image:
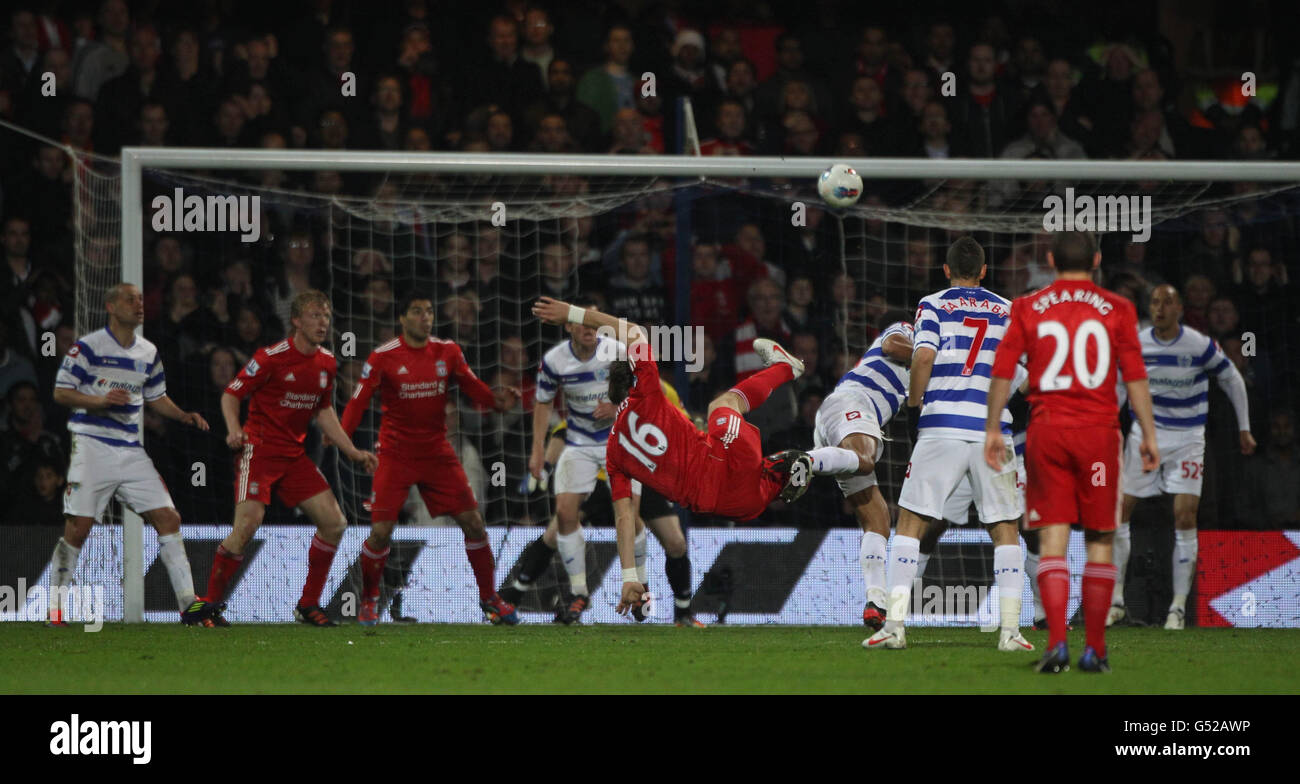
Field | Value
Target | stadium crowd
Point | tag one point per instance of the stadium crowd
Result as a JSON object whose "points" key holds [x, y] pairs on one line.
{"points": [[568, 78]]}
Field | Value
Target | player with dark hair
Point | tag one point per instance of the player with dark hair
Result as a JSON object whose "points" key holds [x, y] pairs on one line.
{"points": [[1077, 336], [291, 384], [853, 416], [1180, 361], [652, 443], [414, 373], [957, 332]]}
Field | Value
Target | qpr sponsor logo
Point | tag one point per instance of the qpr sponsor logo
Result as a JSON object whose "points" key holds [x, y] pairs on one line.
{"points": [[441, 367]]}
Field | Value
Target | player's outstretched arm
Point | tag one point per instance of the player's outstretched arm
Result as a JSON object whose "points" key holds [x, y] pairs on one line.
{"points": [[995, 449], [1139, 401], [327, 419], [553, 311], [625, 513], [168, 408]]}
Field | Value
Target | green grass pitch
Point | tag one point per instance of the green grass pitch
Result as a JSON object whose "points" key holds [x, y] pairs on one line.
{"points": [[619, 659]]}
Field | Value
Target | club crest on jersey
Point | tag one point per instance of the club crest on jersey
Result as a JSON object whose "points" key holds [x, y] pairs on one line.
{"points": [[290, 377], [602, 374], [324, 379], [1184, 360], [441, 367], [252, 488]]}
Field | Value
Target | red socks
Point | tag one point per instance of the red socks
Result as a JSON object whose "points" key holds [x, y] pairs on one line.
{"points": [[372, 568], [224, 566], [759, 386], [1054, 588], [319, 557], [480, 560], [1098, 584]]}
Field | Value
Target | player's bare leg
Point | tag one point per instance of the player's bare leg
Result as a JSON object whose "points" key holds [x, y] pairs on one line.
{"points": [[171, 549], [573, 552], [479, 554], [1185, 551], [677, 565], [1009, 576], [323, 510], [63, 564], [904, 560], [1123, 545]]}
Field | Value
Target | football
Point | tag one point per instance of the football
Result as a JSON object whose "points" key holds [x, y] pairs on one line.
{"points": [[840, 186]]}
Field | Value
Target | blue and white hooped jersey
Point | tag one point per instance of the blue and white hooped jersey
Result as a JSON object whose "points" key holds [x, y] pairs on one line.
{"points": [[585, 384], [964, 326], [96, 364], [885, 381], [1179, 374]]}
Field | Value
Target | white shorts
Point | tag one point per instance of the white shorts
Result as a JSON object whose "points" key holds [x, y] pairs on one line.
{"points": [[956, 510], [845, 411], [1182, 464], [99, 471], [938, 466], [577, 468]]}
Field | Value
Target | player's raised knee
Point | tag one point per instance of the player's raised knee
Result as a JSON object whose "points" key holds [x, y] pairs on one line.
{"points": [[729, 399]]}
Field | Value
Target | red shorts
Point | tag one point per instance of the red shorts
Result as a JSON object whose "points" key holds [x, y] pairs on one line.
{"points": [[439, 477], [744, 489], [1073, 476], [294, 479]]}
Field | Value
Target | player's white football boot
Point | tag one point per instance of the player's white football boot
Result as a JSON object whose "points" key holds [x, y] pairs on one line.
{"points": [[1177, 619], [1013, 640], [1117, 613], [885, 638], [771, 353]]}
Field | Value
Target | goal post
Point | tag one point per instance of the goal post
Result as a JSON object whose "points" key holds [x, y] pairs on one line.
{"points": [[1181, 188]]}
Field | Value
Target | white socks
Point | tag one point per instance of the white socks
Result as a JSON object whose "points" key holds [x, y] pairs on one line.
{"points": [[172, 552], [573, 551], [902, 571], [638, 549], [833, 460], [1009, 576], [1031, 574], [63, 568], [1124, 545], [922, 560], [871, 556], [1185, 548]]}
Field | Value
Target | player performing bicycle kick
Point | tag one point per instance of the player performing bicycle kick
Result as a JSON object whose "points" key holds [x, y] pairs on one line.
{"points": [[720, 472]]}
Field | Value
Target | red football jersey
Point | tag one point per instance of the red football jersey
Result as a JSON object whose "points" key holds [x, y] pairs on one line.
{"points": [[287, 387], [1075, 335], [413, 385], [653, 442]]}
